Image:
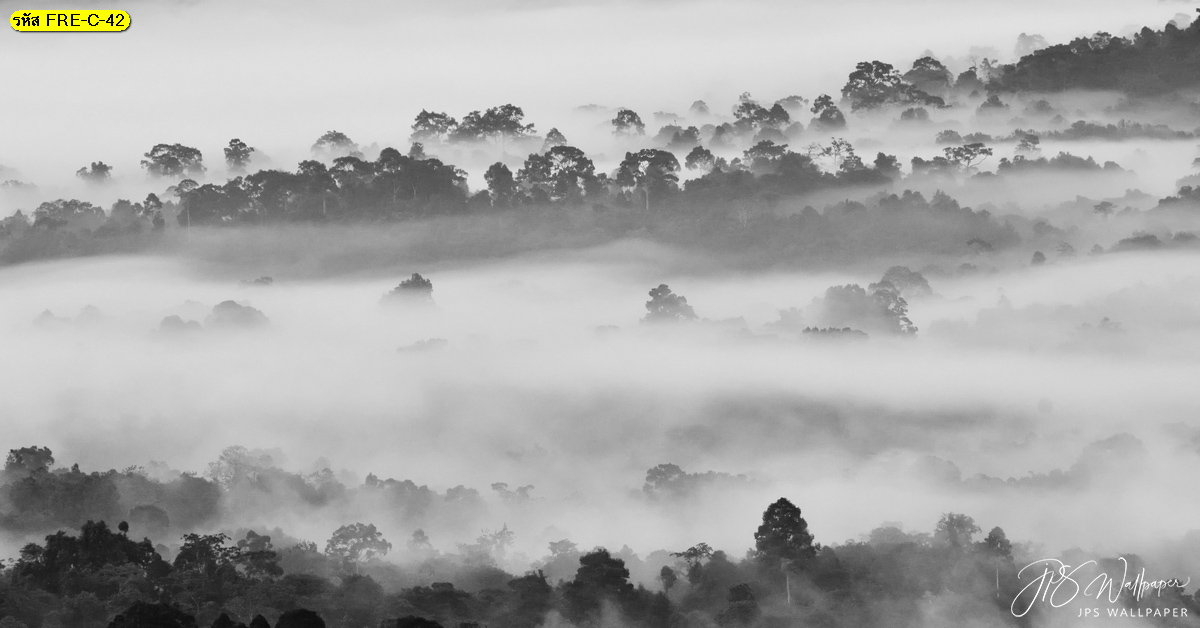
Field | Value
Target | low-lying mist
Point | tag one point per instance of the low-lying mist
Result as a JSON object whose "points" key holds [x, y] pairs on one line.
{"points": [[547, 378]]}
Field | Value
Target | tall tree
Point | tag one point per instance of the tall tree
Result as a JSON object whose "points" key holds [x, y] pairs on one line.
{"points": [[650, 170], [502, 188], [783, 536], [237, 155]]}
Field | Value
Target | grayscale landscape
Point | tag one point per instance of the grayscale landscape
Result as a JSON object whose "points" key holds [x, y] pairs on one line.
{"points": [[591, 314]]}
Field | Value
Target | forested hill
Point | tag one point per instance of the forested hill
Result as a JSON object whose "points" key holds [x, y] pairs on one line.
{"points": [[1150, 62]]}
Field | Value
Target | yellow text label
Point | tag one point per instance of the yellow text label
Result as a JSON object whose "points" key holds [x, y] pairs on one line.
{"points": [[70, 20]]}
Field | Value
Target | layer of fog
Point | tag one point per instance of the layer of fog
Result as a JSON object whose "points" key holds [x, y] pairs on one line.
{"points": [[548, 379]]}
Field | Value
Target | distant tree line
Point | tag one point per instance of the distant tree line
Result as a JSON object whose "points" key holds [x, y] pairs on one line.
{"points": [[95, 574]]}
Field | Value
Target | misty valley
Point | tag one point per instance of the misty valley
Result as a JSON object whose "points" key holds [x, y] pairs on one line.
{"points": [[921, 351]]}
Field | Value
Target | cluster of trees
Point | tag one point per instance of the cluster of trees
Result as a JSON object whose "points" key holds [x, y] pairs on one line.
{"points": [[725, 192], [1148, 63], [715, 207], [100, 577]]}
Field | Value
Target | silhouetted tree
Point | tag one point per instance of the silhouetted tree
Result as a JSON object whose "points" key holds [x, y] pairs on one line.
{"points": [[99, 173], [356, 543], [628, 122], [172, 160], [666, 306], [783, 536], [237, 155]]}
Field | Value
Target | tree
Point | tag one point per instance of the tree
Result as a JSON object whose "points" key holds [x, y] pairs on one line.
{"points": [[416, 288], [563, 173], [99, 173], [502, 188], [29, 460], [668, 578], [432, 126], [627, 123], [553, 138], [997, 544], [764, 156], [1104, 208], [906, 281], [701, 159], [356, 543], [783, 536], [699, 108], [258, 557], [666, 306], [992, 105], [335, 144], [1039, 258], [1029, 144], [237, 155], [600, 577], [172, 160], [650, 170], [967, 156], [206, 553], [929, 75], [874, 84], [829, 117], [955, 531], [497, 123]]}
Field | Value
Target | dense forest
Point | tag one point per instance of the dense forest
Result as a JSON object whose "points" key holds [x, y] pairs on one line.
{"points": [[114, 563]]}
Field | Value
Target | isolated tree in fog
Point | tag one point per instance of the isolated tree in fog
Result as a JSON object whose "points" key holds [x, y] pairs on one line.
{"points": [[415, 287], [628, 122], [356, 543], [666, 306], [335, 144], [99, 172], [173, 160], [783, 536], [237, 155]]}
